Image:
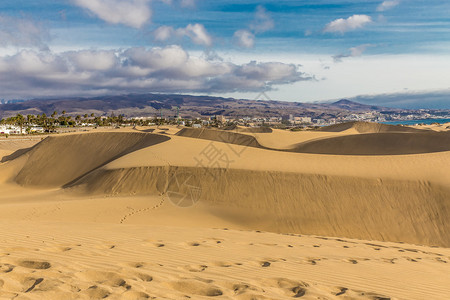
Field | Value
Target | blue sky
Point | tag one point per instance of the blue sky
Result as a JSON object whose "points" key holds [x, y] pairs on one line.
{"points": [[294, 50]]}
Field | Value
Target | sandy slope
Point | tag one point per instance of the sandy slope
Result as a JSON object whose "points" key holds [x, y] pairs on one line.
{"points": [[106, 214]]}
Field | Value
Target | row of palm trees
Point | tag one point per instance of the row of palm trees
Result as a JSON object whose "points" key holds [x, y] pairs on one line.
{"points": [[50, 123]]}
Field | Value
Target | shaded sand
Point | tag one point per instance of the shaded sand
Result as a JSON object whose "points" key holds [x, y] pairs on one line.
{"points": [[9, 146], [129, 214]]}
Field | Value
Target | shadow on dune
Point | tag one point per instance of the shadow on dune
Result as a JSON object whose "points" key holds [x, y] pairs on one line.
{"points": [[15, 155]]}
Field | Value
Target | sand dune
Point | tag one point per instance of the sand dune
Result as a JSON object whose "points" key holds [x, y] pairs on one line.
{"points": [[390, 140], [129, 215], [259, 188], [366, 127], [65, 158], [392, 143]]}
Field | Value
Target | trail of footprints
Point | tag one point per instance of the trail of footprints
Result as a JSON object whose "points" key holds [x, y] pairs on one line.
{"points": [[142, 210]]}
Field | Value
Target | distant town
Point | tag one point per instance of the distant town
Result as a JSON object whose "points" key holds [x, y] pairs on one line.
{"points": [[42, 116]]}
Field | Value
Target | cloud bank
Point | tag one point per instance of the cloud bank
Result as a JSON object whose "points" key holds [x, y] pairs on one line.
{"points": [[412, 100], [170, 69]]}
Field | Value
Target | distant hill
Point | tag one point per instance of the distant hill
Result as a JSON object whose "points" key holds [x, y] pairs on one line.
{"points": [[137, 105], [355, 106]]}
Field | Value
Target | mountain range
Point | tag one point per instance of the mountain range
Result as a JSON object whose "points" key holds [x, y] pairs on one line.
{"points": [[145, 105]]}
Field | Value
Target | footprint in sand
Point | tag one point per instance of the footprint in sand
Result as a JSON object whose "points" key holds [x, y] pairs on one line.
{"points": [[389, 260], [30, 283], [295, 289], [37, 265], [342, 291], [96, 292], [195, 287], [144, 277], [265, 264], [352, 261], [6, 268], [132, 295], [411, 259], [194, 244], [222, 264], [195, 268], [438, 259]]}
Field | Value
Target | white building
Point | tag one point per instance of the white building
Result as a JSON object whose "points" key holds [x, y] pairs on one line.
{"points": [[11, 129]]}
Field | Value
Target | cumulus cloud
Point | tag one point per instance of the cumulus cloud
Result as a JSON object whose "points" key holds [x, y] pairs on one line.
{"points": [[22, 33], [386, 5], [352, 52], [197, 33], [351, 23], [133, 13], [244, 38], [170, 69]]}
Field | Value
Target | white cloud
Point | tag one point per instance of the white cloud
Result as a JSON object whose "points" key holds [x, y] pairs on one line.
{"points": [[353, 52], [263, 21], [386, 5], [170, 69], [133, 13], [351, 23], [197, 33], [244, 38], [22, 33]]}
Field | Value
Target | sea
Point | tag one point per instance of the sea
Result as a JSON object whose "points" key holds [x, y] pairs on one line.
{"points": [[418, 121]]}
